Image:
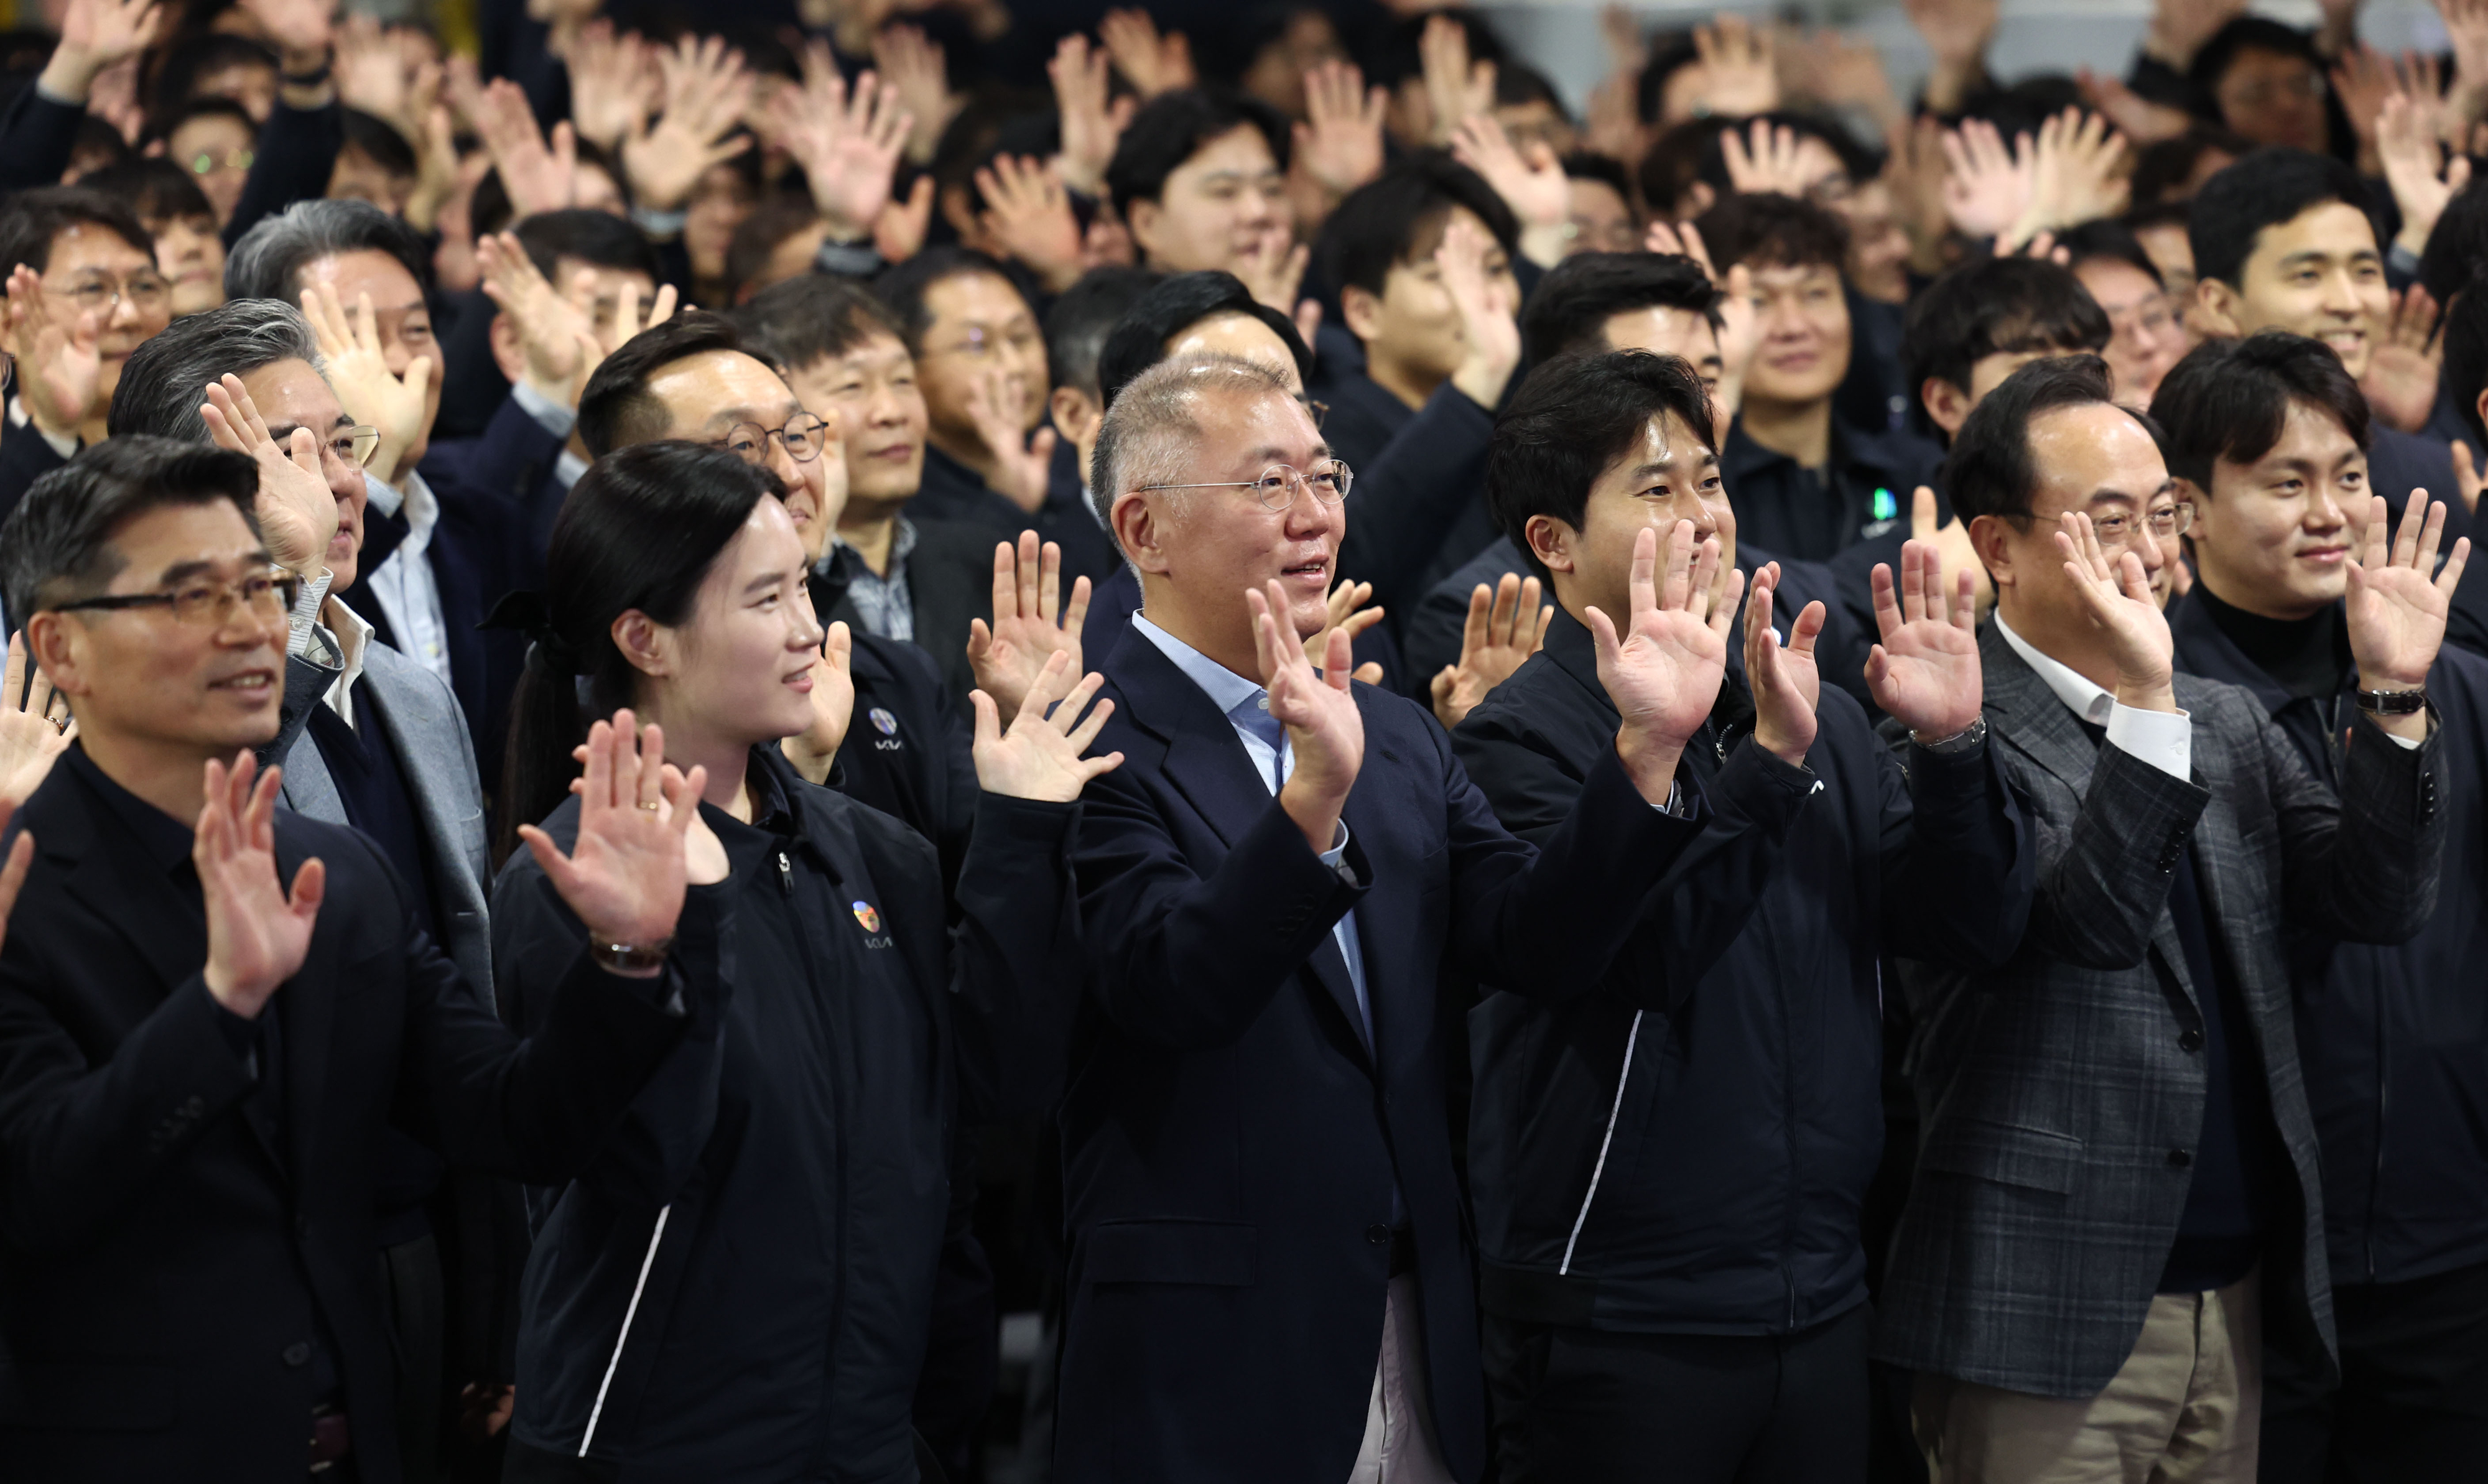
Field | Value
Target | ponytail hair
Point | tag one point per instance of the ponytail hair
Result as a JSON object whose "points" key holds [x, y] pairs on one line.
{"points": [[641, 530]]}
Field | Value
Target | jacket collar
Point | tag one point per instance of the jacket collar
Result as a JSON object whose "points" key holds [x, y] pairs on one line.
{"points": [[2205, 649], [2029, 713], [1206, 760], [1572, 649]]}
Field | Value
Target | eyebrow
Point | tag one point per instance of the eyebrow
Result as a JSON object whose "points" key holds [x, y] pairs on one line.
{"points": [[182, 571], [2314, 255], [280, 431]]}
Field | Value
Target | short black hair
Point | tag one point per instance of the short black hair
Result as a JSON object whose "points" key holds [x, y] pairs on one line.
{"points": [[1989, 471], [1382, 223], [1138, 340], [56, 547], [1996, 306], [1650, 88], [30, 219], [2107, 239], [269, 261], [904, 287], [2466, 359], [812, 319], [1605, 169], [1856, 161], [166, 379], [2162, 169], [1672, 165], [1517, 84], [1773, 231], [780, 216], [2248, 33], [618, 410], [598, 238], [379, 141], [490, 209], [2230, 399], [161, 129], [2269, 187], [152, 187], [1569, 314], [1083, 316], [1571, 418], [2459, 244], [1172, 128], [1395, 50]]}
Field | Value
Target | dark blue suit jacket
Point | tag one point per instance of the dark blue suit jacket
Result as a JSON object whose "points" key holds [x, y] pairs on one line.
{"points": [[1229, 1143]]}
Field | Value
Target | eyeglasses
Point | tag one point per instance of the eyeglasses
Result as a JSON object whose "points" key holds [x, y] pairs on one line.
{"points": [[804, 436], [145, 292], [976, 342], [206, 163], [2164, 522], [1278, 485], [206, 602], [2302, 87], [354, 447]]}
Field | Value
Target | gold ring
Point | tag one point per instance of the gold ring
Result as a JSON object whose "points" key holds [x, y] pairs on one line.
{"points": [[650, 808]]}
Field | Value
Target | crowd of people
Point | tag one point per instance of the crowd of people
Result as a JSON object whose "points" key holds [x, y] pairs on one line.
{"points": [[1765, 784]]}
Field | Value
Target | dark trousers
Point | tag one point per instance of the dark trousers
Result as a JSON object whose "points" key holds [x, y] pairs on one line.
{"points": [[415, 1307], [1577, 1406], [536, 1466], [2412, 1401]]}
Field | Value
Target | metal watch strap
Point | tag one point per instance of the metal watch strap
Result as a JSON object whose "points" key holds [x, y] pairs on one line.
{"points": [[1960, 741], [628, 958]]}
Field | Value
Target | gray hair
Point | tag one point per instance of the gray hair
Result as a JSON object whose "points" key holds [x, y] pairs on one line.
{"points": [[166, 378], [269, 261], [1151, 433]]}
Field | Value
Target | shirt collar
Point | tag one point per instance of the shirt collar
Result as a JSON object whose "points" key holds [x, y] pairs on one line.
{"points": [[902, 543], [2080, 696], [165, 839], [1225, 690]]}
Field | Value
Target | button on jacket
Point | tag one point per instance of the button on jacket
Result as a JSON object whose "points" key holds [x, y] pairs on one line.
{"points": [[1690, 1158], [2395, 1039], [740, 1286]]}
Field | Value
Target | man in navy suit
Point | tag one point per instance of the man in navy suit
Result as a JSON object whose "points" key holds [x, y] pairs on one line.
{"points": [[1271, 1277]]}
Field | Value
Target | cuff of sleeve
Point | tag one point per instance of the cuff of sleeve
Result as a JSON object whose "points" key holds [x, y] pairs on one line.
{"points": [[657, 223], [306, 613], [2164, 740], [1040, 821], [384, 497], [1339, 844], [65, 444], [849, 260], [551, 416]]}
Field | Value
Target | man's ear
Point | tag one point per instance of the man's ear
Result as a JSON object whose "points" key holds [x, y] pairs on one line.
{"points": [[2216, 304], [644, 643], [1947, 405], [506, 352], [1142, 221], [1361, 311], [50, 644], [1140, 529], [1988, 536], [1553, 542], [1076, 415]]}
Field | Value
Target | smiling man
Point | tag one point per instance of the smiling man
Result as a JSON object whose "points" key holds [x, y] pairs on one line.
{"points": [[1200, 177], [1270, 1275], [2268, 436]]}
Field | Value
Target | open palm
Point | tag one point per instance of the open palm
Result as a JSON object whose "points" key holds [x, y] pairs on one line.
{"points": [[1663, 673], [1041, 756], [626, 874], [1924, 672], [2397, 599]]}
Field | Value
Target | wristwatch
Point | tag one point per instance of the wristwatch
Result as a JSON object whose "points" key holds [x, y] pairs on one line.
{"points": [[2393, 703], [1960, 741], [628, 958]]}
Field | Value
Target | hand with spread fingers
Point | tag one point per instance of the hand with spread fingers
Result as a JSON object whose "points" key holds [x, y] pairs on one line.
{"points": [[97, 35], [1009, 656], [34, 727], [1092, 121], [1152, 63], [1028, 213], [357, 368], [1787, 682], [913, 67], [296, 509], [2118, 597], [1023, 465], [1340, 143], [1925, 671], [706, 90], [815, 751], [625, 875], [2398, 599], [1986, 186], [59, 359], [1505, 626], [849, 146], [1318, 706], [1534, 186], [1042, 756], [258, 932], [556, 337], [1663, 672], [1487, 305]]}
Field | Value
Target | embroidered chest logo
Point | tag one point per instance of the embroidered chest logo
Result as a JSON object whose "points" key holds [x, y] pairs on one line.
{"points": [[888, 726], [864, 914]]}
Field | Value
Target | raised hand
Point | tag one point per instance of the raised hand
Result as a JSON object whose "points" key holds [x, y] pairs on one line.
{"points": [[1275, 271], [258, 933], [300, 30], [1325, 731], [612, 84], [625, 875], [2468, 481], [1787, 682], [1488, 330], [1739, 75], [1022, 465], [1663, 675], [1950, 543], [2466, 30], [2118, 597], [1041, 756], [2179, 28], [815, 751], [1841, 72], [1150, 63], [1091, 123], [2397, 599], [2409, 360], [707, 89], [2080, 171], [539, 175], [1534, 188], [1340, 145], [2416, 167], [60, 360], [2134, 116], [1924, 672], [1009, 656], [849, 146], [899, 232], [31, 738], [912, 68], [1455, 88], [556, 337], [296, 509], [1956, 33], [1764, 160], [1028, 216], [97, 35], [2362, 78], [1505, 626], [357, 368], [1346, 612], [1987, 187]]}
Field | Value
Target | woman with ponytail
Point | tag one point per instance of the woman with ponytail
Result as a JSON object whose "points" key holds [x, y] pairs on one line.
{"points": [[740, 1287]]}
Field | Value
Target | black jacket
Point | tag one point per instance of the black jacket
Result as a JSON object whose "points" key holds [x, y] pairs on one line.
{"points": [[2394, 1040], [1717, 1190], [186, 1251], [956, 493], [906, 751], [739, 1285], [950, 581]]}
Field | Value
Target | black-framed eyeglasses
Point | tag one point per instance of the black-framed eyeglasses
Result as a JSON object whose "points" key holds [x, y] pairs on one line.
{"points": [[1280, 484], [804, 436], [205, 601]]}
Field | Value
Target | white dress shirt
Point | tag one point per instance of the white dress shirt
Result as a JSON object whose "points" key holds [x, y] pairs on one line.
{"points": [[404, 586]]}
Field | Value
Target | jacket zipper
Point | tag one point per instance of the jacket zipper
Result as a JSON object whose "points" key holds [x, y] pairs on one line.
{"points": [[1623, 1080], [628, 1312]]}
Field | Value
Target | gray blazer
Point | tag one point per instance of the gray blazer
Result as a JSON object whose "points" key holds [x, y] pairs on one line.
{"points": [[421, 719], [2054, 1090]]}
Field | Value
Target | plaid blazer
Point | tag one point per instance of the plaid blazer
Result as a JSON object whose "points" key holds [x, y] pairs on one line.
{"points": [[2055, 1092]]}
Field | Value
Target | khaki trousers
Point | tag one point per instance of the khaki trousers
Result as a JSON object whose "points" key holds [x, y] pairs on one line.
{"points": [[1399, 1446], [2187, 1408]]}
